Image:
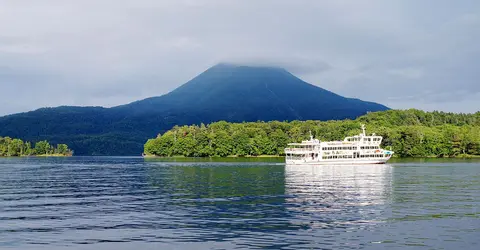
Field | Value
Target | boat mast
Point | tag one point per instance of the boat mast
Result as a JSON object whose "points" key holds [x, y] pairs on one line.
{"points": [[363, 129]]}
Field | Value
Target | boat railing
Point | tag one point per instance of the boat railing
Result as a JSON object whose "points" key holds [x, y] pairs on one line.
{"points": [[297, 149]]}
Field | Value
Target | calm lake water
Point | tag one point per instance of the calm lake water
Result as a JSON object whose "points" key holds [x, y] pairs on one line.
{"points": [[132, 203]]}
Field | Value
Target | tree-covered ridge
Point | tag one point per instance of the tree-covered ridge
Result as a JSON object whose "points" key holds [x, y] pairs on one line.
{"points": [[16, 147], [419, 117], [410, 133]]}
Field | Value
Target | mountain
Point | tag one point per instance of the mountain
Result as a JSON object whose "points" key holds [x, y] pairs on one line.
{"points": [[224, 92]]}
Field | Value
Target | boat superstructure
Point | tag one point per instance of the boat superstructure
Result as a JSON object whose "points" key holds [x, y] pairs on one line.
{"points": [[358, 149]]}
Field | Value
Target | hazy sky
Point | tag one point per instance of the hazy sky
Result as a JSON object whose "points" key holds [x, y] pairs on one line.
{"points": [[404, 54]]}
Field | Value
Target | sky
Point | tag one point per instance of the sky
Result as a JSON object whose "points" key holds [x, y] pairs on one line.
{"points": [[400, 53]]}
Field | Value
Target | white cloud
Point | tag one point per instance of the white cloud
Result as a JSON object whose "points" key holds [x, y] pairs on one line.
{"points": [[115, 51], [407, 72]]}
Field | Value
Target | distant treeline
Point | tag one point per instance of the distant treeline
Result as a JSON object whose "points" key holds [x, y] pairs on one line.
{"points": [[410, 133], [16, 147]]}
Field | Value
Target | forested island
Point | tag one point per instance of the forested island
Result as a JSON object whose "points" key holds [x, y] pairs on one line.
{"points": [[410, 133], [15, 147]]}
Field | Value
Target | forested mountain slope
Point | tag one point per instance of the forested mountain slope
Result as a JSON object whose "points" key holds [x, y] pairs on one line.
{"points": [[224, 92]]}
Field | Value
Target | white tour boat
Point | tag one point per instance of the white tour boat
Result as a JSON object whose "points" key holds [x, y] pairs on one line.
{"points": [[359, 149]]}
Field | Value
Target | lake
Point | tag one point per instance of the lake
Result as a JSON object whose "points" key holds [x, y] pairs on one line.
{"points": [[131, 203]]}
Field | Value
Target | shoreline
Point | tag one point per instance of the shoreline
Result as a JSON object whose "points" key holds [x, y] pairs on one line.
{"points": [[29, 156], [279, 156]]}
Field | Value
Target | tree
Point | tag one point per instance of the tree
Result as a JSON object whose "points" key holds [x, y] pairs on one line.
{"points": [[62, 149], [15, 148], [43, 148]]}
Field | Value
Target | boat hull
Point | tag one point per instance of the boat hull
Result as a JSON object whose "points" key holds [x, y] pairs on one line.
{"points": [[338, 162]]}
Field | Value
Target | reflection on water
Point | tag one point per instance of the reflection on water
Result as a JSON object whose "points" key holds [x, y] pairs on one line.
{"points": [[127, 203], [339, 194]]}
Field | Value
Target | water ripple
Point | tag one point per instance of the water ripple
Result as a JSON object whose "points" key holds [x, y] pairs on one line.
{"points": [[125, 203]]}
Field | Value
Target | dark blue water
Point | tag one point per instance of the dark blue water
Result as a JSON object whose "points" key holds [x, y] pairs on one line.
{"points": [[129, 203]]}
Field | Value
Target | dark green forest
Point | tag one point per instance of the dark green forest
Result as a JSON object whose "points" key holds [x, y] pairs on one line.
{"points": [[16, 147], [410, 133]]}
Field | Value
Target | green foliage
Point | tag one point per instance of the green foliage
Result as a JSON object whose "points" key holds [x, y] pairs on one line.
{"points": [[16, 147], [62, 149], [43, 148], [410, 133]]}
